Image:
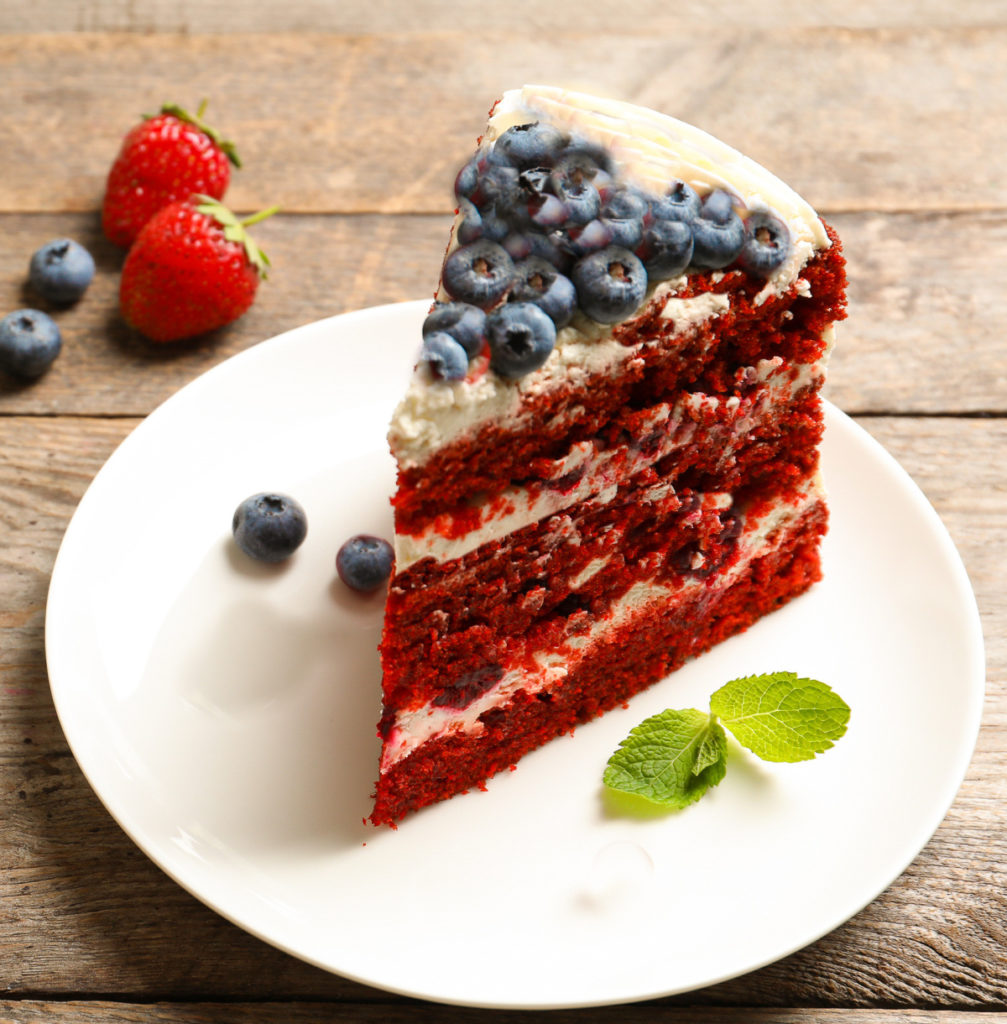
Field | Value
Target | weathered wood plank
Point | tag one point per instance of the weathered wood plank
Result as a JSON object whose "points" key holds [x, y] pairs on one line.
{"points": [[903, 118], [424, 16], [924, 332], [82, 910], [101, 1012]]}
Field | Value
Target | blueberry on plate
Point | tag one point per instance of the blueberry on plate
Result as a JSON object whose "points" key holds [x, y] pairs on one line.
{"points": [[365, 562], [269, 527], [718, 233], [667, 249], [767, 244], [539, 282], [680, 203], [61, 271], [480, 273], [610, 284], [521, 338], [445, 357], [463, 322], [529, 145], [29, 342]]}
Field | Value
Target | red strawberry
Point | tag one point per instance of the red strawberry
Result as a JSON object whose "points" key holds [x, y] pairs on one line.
{"points": [[193, 268], [168, 157]]}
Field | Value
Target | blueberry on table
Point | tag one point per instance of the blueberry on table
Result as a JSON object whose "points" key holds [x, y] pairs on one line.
{"points": [[269, 527], [767, 244], [480, 273], [611, 284], [667, 249], [521, 338], [718, 233], [445, 357], [465, 323], [29, 342], [365, 562], [539, 282], [61, 271]]}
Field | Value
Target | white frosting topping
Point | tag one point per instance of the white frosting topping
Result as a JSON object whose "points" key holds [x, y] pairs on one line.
{"points": [[653, 150], [731, 419]]}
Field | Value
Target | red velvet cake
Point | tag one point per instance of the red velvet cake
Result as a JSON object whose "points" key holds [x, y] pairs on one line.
{"points": [[608, 453]]}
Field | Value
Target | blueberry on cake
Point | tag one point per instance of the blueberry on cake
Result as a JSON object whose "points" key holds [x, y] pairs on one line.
{"points": [[608, 454]]}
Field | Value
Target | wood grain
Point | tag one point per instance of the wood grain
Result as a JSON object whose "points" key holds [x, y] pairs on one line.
{"points": [[81, 909], [908, 118], [425, 16], [924, 333], [101, 1012]]}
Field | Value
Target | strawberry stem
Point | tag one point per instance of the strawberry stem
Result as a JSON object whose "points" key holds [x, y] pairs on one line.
{"points": [[260, 216]]}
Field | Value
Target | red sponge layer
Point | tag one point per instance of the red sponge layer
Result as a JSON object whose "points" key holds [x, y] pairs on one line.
{"points": [[621, 664]]}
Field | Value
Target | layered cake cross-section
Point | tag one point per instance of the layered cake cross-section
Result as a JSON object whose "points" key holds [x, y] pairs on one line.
{"points": [[608, 454]]}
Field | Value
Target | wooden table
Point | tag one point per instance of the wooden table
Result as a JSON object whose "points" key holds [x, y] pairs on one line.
{"points": [[891, 119]]}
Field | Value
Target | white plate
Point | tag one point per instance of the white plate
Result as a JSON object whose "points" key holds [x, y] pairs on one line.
{"points": [[225, 714]]}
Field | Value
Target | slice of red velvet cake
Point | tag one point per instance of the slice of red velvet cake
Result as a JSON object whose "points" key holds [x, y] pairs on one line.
{"points": [[608, 454]]}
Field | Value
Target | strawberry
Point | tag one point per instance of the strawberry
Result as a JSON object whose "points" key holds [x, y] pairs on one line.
{"points": [[192, 268], [167, 157]]}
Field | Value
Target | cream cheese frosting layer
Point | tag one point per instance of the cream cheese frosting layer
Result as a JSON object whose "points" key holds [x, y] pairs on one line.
{"points": [[598, 471]]}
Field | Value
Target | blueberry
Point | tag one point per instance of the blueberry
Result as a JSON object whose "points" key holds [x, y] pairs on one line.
{"points": [[529, 145], [577, 191], [667, 249], [610, 284], [61, 271], [463, 322], [522, 244], [624, 212], [467, 180], [494, 227], [521, 338], [580, 168], [535, 206], [498, 189], [365, 562], [680, 203], [445, 357], [592, 151], [29, 342], [718, 233], [767, 244], [588, 238], [470, 222], [539, 282], [480, 273], [269, 527]]}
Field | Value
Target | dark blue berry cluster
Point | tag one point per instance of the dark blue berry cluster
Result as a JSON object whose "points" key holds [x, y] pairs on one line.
{"points": [[546, 227]]}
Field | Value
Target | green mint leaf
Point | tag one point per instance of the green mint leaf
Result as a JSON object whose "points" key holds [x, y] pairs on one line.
{"points": [[670, 759], [780, 716]]}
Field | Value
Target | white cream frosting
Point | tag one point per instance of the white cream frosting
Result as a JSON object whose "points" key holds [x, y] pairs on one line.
{"points": [[414, 727], [652, 150], [601, 469]]}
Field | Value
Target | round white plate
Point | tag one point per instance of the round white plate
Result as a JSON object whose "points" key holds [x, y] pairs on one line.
{"points": [[225, 713]]}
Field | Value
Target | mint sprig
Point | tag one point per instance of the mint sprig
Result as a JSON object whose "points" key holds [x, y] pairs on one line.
{"points": [[674, 757]]}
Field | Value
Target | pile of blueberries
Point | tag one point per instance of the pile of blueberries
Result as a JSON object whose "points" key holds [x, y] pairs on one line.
{"points": [[30, 340], [545, 224]]}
